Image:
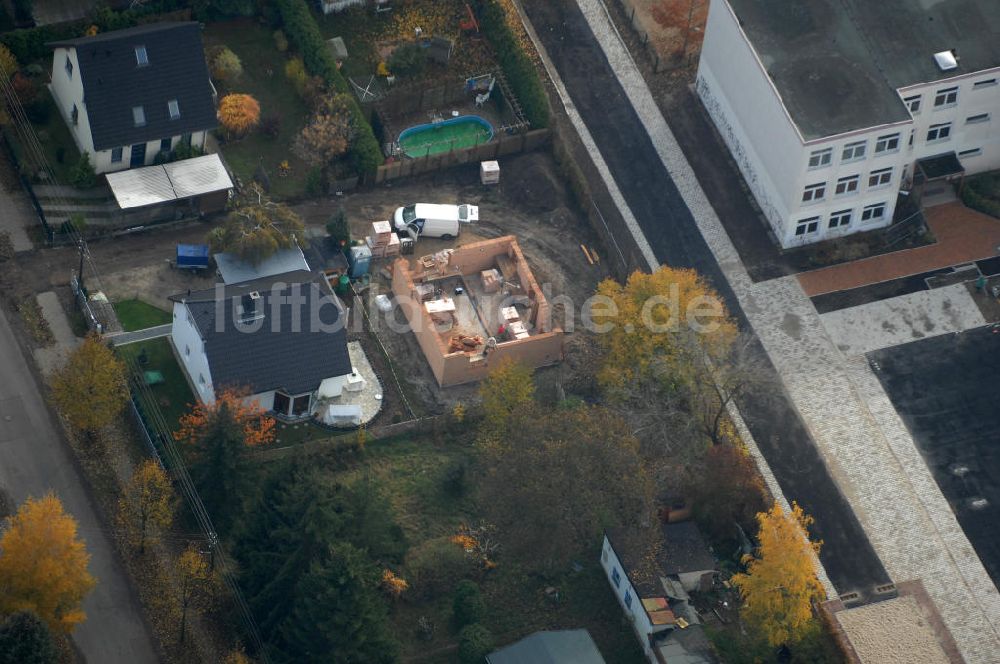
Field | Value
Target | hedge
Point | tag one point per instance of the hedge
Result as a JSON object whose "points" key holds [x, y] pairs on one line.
{"points": [[982, 193], [518, 67], [301, 29]]}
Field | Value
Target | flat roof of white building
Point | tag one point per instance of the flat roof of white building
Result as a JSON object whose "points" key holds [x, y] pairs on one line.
{"points": [[138, 187], [838, 64]]}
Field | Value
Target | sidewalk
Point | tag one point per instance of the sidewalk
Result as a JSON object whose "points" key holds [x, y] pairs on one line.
{"points": [[963, 236], [16, 217], [53, 357]]}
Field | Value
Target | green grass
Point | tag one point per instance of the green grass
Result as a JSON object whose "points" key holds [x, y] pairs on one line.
{"points": [[137, 315], [264, 79], [173, 396]]}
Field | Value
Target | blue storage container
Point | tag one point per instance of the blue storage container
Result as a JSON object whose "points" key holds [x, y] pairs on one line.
{"points": [[192, 256], [360, 259]]}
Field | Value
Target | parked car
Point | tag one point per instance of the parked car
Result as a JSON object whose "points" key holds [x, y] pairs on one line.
{"points": [[431, 220]]}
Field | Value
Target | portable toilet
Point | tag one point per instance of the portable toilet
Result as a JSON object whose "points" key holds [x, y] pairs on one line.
{"points": [[360, 259]]}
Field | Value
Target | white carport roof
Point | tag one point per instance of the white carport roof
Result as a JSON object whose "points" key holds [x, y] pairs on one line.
{"points": [[139, 187]]}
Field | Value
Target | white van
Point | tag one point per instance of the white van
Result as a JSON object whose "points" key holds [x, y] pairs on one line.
{"points": [[429, 220]]}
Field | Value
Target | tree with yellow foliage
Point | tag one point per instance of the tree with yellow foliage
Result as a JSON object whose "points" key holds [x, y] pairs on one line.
{"points": [[196, 583], [91, 389], [256, 228], [43, 565], [780, 583], [239, 114], [147, 505], [508, 390], [8, 63], [329, 132]]}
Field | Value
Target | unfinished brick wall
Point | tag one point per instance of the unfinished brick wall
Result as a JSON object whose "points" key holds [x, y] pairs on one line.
{"points": [[543, 347]]}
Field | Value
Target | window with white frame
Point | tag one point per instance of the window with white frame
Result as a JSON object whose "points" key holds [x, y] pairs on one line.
{"points": [[616, 577], [912, 103], [814, 192], [880, 178], [854, 151], [173, 109], [847, 185], [807, 226], [939, 132], [840, 219], [69, 67], [974, 152], [887, 143], [139, 116], [946, 97], [628, 598], [985, 83], [141, 57], [116, 155], [820, 158], [873, 212], [978, 118]]}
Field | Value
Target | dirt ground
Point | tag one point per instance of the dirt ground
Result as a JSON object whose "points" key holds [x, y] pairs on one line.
{"points": [[531, 202]]}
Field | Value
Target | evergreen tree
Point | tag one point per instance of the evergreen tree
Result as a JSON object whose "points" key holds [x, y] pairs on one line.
{"points": [[338, 615], [25, 639]]}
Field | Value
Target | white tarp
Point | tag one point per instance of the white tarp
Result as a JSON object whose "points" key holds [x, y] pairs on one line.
{"points": [[342, 415], [138, 187]]}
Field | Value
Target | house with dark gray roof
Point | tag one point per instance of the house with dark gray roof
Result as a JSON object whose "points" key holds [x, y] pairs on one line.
{"points": [[832, 108], [281, 340], [129, 95]]}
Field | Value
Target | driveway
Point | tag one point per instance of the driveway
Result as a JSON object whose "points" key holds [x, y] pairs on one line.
{"points": [[34, 460]]}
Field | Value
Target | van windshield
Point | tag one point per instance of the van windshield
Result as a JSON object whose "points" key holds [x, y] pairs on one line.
{"points": [[409, 213], [463, 213]]}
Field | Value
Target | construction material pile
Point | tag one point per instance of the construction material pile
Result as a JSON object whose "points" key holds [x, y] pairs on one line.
{"points": [[382, 241], [464, 342]]}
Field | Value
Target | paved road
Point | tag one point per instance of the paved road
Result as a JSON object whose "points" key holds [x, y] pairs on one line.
{"points": [[676, 240], [33, 461]]}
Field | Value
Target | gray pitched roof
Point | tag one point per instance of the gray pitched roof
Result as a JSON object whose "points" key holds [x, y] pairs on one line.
{"points": [[291, 347], [570, 646], [114, 83]]}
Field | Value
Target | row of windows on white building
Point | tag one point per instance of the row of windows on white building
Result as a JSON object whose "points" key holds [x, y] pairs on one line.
{"points": [[847, 185], [945, 97], [841, 219]]}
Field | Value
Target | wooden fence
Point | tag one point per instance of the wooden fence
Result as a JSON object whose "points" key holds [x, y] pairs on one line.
{"points": [[503, 145]]}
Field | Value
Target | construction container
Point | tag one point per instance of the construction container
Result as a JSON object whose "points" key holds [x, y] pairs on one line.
{"points": [[192, 256], [360, 259], [489, 172]]}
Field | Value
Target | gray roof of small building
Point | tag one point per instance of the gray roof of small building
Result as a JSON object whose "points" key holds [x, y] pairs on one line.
{"points": [[234, 269], [837, 64], [113, 83], [647, 554], [293, 348], [570, 646]]}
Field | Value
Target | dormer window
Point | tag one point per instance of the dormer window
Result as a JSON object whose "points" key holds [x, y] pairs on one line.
{"points": [[173, 109], [69, 67], [139, 116], [141, 57]]}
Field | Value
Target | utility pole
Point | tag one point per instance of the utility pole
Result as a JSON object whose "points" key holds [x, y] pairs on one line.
{"points": [[79, 274]]}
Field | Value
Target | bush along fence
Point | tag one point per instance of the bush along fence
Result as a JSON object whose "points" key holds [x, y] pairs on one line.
{"points": [[517, 66], [982, 193], [303, 32]]}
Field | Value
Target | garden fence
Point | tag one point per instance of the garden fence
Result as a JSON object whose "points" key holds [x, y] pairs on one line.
{"points": [[503, 145], [660, 61]]}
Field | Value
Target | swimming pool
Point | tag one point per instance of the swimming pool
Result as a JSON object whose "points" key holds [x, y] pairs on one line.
{"points": [[451, 134]]}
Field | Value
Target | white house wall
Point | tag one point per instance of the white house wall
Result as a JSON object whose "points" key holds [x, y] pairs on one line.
{"points": [[68, 90], [636, 613], [748, 114], [191, 351]]}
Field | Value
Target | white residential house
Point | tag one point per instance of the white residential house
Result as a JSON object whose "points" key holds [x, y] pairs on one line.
{"points": [[281, 339], [830, 110], [130, 95], [652, 585]]}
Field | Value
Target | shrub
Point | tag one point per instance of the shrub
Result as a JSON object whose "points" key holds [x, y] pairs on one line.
{"points": [[455, 481], [474, 643], [24, 89], [239, 113], [307, 87], [329, 132], [226, 66], [8, 62], [338, 228], [185, 151], [408, 60], [467, 606], [435, 566], [982, 193], [83, 175], [270, 125], [520, 71], [280, 41], [23, 10], [316, 185], [39, 110]]}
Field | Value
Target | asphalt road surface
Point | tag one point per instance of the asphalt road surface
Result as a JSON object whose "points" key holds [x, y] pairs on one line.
{"points": [[673, 234], [943, 390], [33, 461]]}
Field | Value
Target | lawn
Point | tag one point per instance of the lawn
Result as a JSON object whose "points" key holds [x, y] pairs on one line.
{"points": [[264, 79], [412, 474], [173, 396], [137, 315]]}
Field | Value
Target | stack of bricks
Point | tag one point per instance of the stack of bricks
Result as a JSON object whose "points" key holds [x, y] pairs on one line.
{"points": [[382, 241]]}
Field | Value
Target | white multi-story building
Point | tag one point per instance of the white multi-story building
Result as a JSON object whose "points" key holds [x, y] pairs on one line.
{"points": [[130, 95], [831, 107]]}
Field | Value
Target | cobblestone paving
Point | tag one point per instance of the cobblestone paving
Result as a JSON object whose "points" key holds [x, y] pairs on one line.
{"points": [[862, 439]]}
